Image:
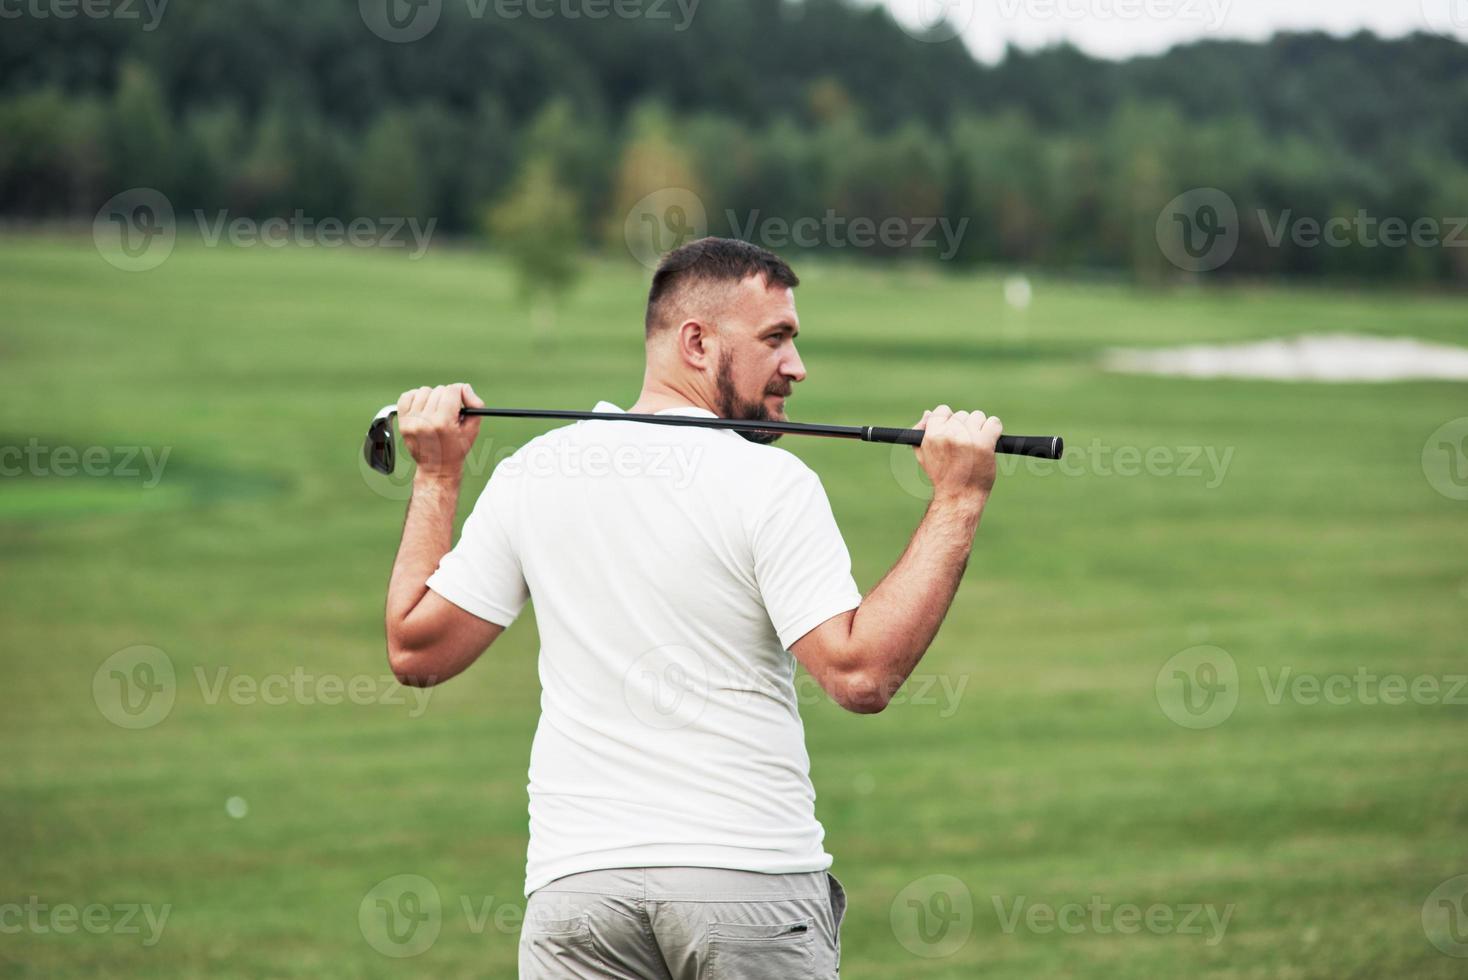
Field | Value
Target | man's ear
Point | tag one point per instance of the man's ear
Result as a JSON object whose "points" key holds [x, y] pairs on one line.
{"points": [[693, 344]]}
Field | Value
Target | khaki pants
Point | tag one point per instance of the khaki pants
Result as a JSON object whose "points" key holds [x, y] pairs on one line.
{"points": [[684, 924]]}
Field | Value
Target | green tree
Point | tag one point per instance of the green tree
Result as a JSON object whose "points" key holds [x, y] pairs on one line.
{"points": [[213, 143], [485, 161], [392, 178], [537, 225], [578, 149], [655, 188], [140, 141]]}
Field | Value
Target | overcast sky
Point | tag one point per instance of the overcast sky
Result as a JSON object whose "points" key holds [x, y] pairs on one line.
{"points": [[1119, 28]]}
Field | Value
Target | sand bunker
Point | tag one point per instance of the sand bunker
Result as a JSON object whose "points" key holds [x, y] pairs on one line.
{"points": [[1309, 357]]}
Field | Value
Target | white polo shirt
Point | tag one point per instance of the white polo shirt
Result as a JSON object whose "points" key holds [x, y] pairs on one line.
{"points": [[672, 568]]}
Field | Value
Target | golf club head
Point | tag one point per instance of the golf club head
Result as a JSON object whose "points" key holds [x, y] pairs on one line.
{"points": [[380, 449]]}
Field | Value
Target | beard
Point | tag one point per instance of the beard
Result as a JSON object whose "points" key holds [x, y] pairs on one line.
{"points": [[731, 406]]}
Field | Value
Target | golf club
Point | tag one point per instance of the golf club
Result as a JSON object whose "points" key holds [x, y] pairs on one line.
{"points": [[381, 452]]}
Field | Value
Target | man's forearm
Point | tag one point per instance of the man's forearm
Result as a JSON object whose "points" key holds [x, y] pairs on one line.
{"points": [[898, 619], [428, 533]]}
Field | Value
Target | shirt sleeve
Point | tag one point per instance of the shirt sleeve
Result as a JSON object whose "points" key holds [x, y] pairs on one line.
{"points": [[800, 560], [482, 575]]}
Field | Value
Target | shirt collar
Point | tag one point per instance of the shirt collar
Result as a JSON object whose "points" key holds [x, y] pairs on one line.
{"points": [[605, 406]]}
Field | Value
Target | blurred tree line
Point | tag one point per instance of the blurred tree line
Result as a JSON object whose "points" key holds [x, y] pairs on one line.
{"points": [[763, 108]]}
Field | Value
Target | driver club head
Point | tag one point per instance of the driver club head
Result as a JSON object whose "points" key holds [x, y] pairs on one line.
{"points": [[379, 449]]}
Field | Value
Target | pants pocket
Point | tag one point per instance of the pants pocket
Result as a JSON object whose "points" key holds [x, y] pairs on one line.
{"points": [[838, 913], [783, 950], [556, 947]]}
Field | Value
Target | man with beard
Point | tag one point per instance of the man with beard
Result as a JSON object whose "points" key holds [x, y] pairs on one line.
{"points": [[675, 570]]}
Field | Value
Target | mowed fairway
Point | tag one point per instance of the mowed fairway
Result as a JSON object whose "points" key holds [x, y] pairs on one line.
{"points": [[1034, 765]]}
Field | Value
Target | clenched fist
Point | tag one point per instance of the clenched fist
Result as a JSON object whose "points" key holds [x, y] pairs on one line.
{"points": [[958, 451], [432, 430]]}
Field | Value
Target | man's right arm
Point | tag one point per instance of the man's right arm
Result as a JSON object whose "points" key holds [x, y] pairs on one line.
{"points": [[862, 656], [429, 638]]}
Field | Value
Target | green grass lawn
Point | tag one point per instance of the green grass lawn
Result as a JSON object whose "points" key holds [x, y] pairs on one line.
{"points": [[1036, 768]]}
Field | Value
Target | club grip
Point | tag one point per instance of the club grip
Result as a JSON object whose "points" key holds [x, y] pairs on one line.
{"points": [[903, 437], [1043, 447]]}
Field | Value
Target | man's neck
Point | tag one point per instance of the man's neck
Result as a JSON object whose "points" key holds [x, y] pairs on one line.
{"points": [[657, 396]]}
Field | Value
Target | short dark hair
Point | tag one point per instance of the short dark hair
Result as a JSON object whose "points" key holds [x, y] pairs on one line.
{"points": [[713, 260]]}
